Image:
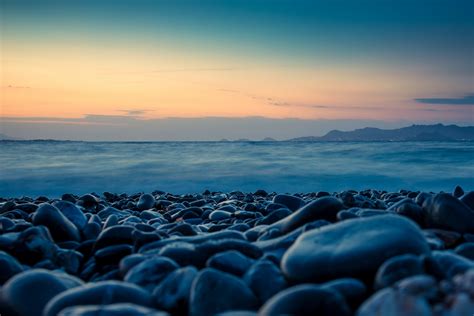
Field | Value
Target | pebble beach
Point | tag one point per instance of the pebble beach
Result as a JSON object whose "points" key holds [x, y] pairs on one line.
{"points": [[362, 253]]}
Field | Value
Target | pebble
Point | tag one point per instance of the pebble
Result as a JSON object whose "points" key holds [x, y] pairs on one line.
{"points": [[106, 292], [213, 292], [323, 208], [219, 215], [445, 211], [291, 202], [60, 227], [353, 290], [353, 252], [348, 248], [9, 266], [150, 272], [72, 213], [120, 309], [397, 268], [146, 202], [173, 293], [28, 292], [466, 250], [230, 261], [306, 299], [265, 279], [392, 302]]}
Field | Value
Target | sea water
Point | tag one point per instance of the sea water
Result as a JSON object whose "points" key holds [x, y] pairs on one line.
{"points": [[52, 168]]}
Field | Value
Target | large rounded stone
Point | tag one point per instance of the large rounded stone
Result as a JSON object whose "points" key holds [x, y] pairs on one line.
{"points": [[230, 261], [265, 279], [445, 211], [106, 292], [146, 202], [173, 293], [34, 244], [119, 309], [353, 290], [9, 266], [219, 215], [114, 235], [306, 299], [392, 302], [72, 212], [213, 292], [352, 248], [29, 292], [407, 207], [150, 272], [59, 226], [397, 268]]}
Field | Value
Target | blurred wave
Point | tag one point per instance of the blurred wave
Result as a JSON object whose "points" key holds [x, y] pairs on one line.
{"points": [[55, 167]]}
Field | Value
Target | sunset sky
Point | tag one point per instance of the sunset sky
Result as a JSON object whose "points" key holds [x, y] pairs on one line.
{"points": [[384, 60]]}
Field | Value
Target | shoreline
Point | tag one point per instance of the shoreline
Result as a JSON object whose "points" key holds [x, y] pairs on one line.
{"points": [[348, 253]]}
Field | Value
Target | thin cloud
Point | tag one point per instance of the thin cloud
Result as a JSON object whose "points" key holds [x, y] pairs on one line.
{"points": [[194, 69], [137, 112], [465, 100], [172, 70], [10, 86]]}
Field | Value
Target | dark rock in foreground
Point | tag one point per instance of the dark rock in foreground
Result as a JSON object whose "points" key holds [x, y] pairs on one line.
{"points": [[347, 253], [352, 248]]}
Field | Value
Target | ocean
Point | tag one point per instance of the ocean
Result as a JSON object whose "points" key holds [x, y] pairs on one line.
{"points": [[32, 168]]}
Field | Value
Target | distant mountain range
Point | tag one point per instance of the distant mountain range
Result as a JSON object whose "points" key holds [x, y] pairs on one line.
{"points": [[437, 132]]}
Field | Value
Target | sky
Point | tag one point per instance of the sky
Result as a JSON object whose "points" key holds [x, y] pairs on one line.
{"points": [[70, 69]]}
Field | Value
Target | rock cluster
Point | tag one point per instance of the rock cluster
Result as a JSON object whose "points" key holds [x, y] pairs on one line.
{"points": [[347, 253]]}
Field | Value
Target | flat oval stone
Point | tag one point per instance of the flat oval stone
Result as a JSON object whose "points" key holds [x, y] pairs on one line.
{"points": [[9, 266], [407, 207], [353, 290], [112, 254], [451, 263], [105, 292], [114, 235], [213, 292], [466, 250], [129, 262], [119, 309], [352, 248], [292, 202], [445, 211], [146, 202], [88, 200], [173, 293], [29, 292], [59, 226], [150, 272], [183, 253], [397, 268], [230, 261], [265, 279], [322, 208], [219, 215], [34, 244], [72, 212], [306, 299], [391, 302]]}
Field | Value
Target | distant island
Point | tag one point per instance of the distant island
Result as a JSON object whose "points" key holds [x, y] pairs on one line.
{"points": [[437, 132]]}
